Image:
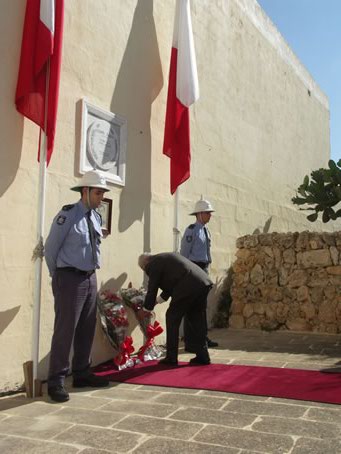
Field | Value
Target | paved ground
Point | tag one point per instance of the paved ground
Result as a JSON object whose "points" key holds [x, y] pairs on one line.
{"points": [[145, 419]]}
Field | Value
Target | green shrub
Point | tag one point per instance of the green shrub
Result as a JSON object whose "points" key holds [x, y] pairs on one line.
{"points": [[322, 191]]}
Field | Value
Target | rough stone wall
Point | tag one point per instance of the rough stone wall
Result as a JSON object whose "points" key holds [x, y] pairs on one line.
{"points": [[288, 281]]}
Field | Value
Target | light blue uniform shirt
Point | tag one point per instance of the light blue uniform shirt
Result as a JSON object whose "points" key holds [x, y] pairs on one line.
{"points": [[68, 243], [195, 244]]}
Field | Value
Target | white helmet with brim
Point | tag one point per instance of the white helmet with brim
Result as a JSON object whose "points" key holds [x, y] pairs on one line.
{"points": [[91, 179], [203, 206]]}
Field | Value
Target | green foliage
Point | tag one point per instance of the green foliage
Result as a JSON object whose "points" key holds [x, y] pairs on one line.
{"points": [[322, 191]]}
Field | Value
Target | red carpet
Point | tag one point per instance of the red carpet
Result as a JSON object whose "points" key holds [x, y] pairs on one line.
{"points": [[296, 384]]}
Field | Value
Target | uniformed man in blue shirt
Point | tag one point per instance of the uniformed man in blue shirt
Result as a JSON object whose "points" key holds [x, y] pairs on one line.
{"points": [[72, 254], [196, 246]]}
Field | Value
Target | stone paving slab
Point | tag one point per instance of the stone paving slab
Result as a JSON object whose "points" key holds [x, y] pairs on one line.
{"points": [[137, 419], [32, 409], [26, 446], [192, 401], [126, 394], [94, 437], [206, 416], [86, 401], [245, 439], [162, 427], [265, 408], [31, 427], [13, 402], [312, 446], [97, 451], [303, 402], [140, 408], [171, 446], [229, 396], [82, 416], [169, 389], [297, 427], [332, 415], [307, 366]]}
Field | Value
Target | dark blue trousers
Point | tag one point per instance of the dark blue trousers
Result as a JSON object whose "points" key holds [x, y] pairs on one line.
{"points": [[193, 308], [75, 322], [188, 326]]}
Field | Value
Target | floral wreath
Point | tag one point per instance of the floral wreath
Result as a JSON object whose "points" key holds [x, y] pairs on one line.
{"points": [[114, 320]]}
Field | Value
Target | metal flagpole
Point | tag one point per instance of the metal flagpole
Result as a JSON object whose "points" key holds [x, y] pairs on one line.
{"points": [[176, 231], [39, 249]]}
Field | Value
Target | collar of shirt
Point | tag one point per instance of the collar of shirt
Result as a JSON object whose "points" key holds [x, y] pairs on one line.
{"points": [[84, 209]]}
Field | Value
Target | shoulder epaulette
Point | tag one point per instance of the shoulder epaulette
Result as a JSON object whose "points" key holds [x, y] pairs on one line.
{"points": [[68, 207], [191, 226]]}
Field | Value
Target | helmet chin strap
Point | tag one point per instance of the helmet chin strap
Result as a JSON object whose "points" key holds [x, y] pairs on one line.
{"points": [[86, 199]]}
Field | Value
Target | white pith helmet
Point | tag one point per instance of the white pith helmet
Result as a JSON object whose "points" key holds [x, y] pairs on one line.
{"points": [[203, 206], [91, 179]]}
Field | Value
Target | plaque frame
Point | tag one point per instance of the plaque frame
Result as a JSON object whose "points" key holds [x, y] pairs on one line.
{"points": [[105, 210], [114, 169]]}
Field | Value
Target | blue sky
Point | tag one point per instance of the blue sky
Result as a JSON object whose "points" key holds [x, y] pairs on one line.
{"points": [[312, 28]]}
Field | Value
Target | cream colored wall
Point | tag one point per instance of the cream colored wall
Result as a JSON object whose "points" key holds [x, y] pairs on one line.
{"points": [[255, 132]]}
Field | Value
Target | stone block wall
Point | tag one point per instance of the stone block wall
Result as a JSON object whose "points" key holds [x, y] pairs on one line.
{"points": [[288, 281]]}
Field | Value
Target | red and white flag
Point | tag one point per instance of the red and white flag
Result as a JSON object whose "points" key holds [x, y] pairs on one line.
{"points": [[40, 62], [183, 90]]}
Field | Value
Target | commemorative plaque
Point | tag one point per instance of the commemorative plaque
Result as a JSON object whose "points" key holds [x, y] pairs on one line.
{"points": [[102, 145]]}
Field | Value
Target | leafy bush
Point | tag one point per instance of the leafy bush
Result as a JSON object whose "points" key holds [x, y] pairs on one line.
{"points": [[322, 192], [221, 317]]}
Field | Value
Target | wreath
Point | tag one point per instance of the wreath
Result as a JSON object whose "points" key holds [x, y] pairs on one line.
{"points": [[114, 321]]}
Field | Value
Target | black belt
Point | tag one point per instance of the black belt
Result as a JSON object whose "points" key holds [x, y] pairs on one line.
{"points": [[76, 270], [203, 265]]}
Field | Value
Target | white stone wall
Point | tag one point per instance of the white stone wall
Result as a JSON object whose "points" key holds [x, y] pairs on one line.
{"points": [[260, 125], [288, 281]]}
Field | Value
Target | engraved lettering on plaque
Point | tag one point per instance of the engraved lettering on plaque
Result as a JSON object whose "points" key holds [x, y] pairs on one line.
{"points": [[102, 145]]}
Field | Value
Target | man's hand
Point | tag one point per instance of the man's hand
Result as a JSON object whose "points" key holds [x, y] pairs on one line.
{"points": [[144, 313], [147, 310]]}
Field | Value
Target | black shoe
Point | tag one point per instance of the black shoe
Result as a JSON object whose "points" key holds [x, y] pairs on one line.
{"points": [[197, 361], [168, 362], [58, 393], [211, 343], [189, 350], [91, 381]]}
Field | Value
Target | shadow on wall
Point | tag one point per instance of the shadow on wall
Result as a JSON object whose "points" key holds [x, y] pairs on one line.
{"points": [[139, 82], [115, 285], [12, 123], [6, 317], [43, 367], [265, 229]]}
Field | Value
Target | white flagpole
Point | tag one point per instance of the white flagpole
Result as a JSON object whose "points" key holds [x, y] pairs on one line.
{"points": [[176, 231], [38, 252]]}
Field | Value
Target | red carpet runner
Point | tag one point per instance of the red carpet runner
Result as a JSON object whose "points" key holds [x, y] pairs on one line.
{"points": [[253, 380]]}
